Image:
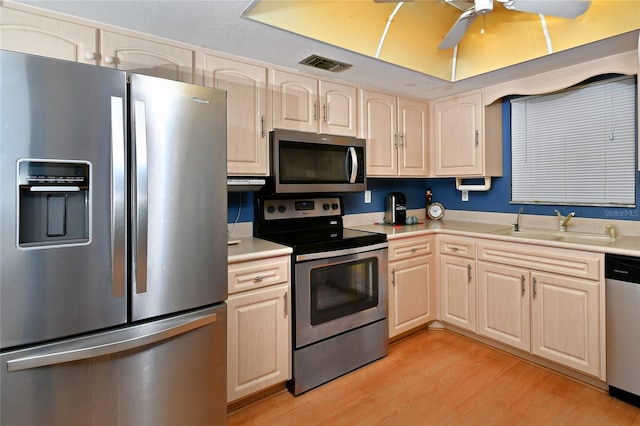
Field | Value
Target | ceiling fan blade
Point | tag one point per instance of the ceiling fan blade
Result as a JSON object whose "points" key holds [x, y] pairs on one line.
{"points": [[458, 30], [560, 8]]}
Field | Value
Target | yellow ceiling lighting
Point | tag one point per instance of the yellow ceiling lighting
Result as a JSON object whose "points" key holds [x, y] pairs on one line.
{"points": [[413, 30]]}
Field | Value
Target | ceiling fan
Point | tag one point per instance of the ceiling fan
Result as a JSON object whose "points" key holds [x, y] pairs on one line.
{"points": [[472, 8]]}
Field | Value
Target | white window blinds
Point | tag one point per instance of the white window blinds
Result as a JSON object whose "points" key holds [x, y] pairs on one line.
{"points": [[576, 146]]}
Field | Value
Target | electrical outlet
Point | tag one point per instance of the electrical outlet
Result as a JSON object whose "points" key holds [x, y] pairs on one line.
{"points": [[465, 195], [367, 196]]}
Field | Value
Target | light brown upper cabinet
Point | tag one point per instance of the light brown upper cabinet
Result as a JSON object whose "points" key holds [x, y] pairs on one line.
{"points": [[247, 114], [396, 133], [467, 137], [306, 104], [45, 36], [147, 56]]}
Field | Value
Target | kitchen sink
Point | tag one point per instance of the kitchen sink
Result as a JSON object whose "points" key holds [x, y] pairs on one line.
{"points": [[546, 235]]}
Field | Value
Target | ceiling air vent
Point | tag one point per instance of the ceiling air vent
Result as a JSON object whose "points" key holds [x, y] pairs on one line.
{"points": [[324, 63]]}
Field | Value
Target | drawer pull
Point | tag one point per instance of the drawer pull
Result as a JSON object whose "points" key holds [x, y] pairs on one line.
{"points": [[414, 249], [469, 272], [258, 279], [455, 249]]}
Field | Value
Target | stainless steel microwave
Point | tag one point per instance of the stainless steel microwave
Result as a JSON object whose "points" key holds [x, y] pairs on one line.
{"points": [[312, 163]]}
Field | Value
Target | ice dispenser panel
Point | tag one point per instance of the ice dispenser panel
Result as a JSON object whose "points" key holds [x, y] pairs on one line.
{"points": [[54, 203]]}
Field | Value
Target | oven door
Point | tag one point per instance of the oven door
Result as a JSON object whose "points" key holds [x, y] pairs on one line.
{"points": [[339, 291]]}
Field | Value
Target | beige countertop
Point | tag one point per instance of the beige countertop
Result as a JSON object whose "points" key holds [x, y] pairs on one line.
{"points": [[250, 248], [625, 245]]}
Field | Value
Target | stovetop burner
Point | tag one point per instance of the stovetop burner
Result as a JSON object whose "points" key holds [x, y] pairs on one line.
{"points": [[309, 225]]}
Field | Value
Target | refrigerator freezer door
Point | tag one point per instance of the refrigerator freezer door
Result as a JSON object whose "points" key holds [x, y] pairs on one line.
{"points": [[169, 372], [179, 199], [56, 114]]}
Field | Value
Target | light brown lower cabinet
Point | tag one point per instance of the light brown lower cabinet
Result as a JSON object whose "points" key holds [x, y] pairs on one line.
{"points": [[258, 326], [411, 283], [530, 298], [457, 282]]}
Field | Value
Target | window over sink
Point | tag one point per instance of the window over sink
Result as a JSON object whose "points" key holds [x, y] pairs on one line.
{"points": [[576, 146]]}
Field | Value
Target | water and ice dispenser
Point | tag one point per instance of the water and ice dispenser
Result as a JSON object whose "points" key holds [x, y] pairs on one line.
{"points": [[54, 203]]}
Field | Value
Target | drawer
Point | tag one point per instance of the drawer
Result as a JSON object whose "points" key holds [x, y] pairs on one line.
{"points": [[258, 273], [458, 247], [409, 247], [545, 259]]}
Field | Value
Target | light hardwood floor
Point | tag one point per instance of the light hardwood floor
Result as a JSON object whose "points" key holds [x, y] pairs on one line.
{"points": [[441, 378]]}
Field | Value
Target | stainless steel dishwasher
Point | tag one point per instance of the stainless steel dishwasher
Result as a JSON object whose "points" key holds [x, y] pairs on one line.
{"points": [[622, 275]]}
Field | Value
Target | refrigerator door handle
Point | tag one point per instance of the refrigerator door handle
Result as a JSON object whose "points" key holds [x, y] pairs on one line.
{"points": [[77, 354], [140, 229], [118, 193]]}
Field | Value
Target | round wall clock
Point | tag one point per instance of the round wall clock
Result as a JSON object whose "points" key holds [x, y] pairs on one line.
{"points": [[435, 211]]}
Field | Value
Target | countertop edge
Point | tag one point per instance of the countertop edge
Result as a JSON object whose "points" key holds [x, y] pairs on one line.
{"points": [[624, 245], [252, 248]]}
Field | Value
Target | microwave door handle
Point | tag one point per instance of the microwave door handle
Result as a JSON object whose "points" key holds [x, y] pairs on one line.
{"points": [[351, 155]]}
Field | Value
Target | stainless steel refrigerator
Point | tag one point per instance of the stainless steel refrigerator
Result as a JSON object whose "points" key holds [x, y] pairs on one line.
{"points": [[112, 247]]}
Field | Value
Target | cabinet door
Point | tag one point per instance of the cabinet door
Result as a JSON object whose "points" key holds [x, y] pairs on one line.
{"points": [[503, 304], [295, 102], [565, 320], [378, 114], [411, 294], [147, 57], [246, 86], [412, 153], [458, 291], [339, 105], [40, 35], [459, 131], [258, 340]]}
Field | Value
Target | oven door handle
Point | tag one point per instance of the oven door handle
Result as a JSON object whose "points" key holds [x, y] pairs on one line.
{"points": [[353, 173], [342, 252]]}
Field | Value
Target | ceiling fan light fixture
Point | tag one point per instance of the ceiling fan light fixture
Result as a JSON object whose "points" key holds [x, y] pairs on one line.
{"points": [[483, 6]]}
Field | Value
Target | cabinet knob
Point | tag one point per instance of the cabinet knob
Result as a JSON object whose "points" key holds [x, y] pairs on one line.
{"points": [[109, 60], [91, 56]]}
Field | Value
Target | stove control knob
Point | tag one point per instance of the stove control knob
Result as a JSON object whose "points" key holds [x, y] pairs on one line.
{"points": [[271, 209], [326, 206], [282, 209], [335, 206]]}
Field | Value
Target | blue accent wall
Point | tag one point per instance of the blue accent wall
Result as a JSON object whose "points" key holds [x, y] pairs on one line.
{"points": [[444, 191]]}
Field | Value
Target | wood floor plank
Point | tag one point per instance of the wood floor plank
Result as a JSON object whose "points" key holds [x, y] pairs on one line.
{"points": [[441, 378]]}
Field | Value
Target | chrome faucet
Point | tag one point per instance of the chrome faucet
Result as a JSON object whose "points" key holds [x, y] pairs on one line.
{"points": [[516, 226], [562, 221]]}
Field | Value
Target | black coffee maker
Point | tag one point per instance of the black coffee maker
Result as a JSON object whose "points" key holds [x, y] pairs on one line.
{"points": [[395, 211]]}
